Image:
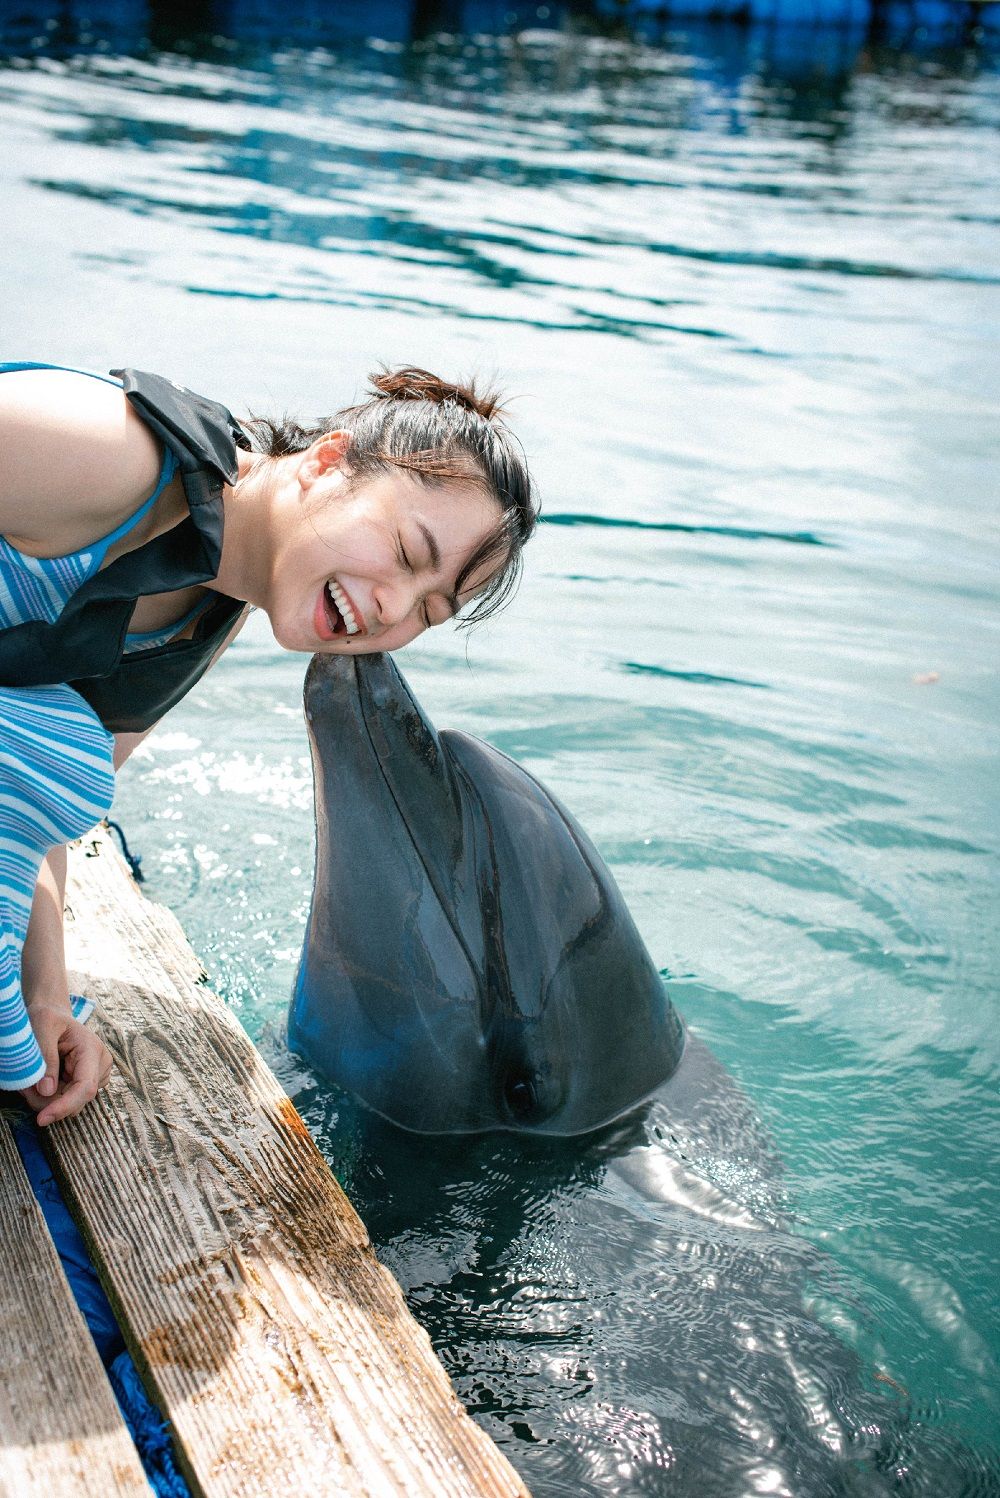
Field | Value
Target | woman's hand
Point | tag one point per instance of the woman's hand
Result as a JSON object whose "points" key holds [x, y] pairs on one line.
{"points": [[77, 1063]]}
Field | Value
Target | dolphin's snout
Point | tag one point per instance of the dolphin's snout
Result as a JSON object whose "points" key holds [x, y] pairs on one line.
{"points": [[330, 679], [325, 668]]}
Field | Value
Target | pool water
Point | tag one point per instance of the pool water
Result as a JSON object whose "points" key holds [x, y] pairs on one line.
{"points": [[745, 286]]}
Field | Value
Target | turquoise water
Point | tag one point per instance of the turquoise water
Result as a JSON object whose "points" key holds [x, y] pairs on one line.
{"points": [[746, 288]]}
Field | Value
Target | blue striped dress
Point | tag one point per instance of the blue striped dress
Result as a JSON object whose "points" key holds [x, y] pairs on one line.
{"points": [[56, 767]]}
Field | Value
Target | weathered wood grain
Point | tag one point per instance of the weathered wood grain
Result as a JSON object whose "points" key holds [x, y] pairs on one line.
{"points": [[61, 1432], [282, 1352]]}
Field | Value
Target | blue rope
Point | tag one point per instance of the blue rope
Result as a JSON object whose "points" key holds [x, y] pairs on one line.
{"points": [[134, 860], [148, 1428]]}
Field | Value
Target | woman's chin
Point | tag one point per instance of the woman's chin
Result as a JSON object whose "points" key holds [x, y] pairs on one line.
{"points": [[290, 637]]}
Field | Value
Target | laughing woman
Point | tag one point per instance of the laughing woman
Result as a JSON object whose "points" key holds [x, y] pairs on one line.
{"points": [[138, 522]]}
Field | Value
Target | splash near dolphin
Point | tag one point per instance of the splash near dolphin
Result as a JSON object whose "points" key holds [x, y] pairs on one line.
{"points": [[469, 962]]}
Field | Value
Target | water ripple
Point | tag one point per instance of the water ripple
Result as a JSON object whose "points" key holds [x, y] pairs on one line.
{"points": [[738, 533]]}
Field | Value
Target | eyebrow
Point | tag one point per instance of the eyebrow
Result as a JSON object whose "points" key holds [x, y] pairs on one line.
{"points": [[435, 556]]}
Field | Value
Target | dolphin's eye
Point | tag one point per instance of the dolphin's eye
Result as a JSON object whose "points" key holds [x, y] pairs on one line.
{"points": [[520, 1096]]}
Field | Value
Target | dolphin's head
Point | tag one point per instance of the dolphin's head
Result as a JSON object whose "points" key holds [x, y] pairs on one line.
{"points": [[469, 962]]}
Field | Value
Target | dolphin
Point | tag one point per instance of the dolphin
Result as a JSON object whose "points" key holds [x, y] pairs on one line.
{"points": [[469, 965], [469, 962]]}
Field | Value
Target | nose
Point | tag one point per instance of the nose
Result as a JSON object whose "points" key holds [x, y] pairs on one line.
{"points": [[395, 601]]}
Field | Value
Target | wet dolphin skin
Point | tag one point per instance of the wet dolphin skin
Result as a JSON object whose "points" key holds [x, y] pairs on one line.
{"points": [[469, 962]]}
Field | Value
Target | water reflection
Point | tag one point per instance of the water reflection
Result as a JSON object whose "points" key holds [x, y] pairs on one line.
{"points": [[814, 44], [682, 1356], [581, 149]]}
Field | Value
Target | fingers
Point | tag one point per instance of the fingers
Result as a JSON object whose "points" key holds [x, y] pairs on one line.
{"points": [[48, 1023], [33, 1098], [70, 1101], [86, 1066]]}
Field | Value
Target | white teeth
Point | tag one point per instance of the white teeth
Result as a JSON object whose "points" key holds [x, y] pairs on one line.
{"points": [[334, 590]]}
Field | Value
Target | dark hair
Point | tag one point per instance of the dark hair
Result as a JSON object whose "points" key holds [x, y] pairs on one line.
{"points": [[436, 431]]}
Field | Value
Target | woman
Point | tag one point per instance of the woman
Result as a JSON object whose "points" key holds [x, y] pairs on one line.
{"points": [[353, 535]]}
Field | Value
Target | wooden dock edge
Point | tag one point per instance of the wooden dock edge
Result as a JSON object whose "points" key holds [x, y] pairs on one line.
{"points": [[61, 1432], [280, 1350]]}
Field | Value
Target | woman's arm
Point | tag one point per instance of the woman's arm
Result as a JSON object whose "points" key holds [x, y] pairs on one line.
{"points": [[45, 986], [43, 960], [77, 1063], [75, 460]]}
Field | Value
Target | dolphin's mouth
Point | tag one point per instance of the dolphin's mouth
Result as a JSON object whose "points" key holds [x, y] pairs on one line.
{"points": [[372, 679]]}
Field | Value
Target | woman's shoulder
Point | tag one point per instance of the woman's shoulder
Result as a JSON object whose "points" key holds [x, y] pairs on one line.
{"points": [[75, 460]]}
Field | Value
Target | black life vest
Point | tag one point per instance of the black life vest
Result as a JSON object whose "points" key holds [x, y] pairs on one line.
{"points": [[85, 645]]}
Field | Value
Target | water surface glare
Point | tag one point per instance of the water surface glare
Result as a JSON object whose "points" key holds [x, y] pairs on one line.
{"points": [[747, 287]]}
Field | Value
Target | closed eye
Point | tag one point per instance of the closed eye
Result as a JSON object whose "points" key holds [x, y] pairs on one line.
{"points": [[405, 559]]}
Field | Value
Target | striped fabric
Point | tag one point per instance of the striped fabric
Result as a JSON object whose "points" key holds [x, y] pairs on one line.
{"points": [[56, 781], [56, 771], [38, 587]]}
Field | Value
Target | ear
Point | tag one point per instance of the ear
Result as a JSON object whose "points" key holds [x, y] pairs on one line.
{"points": [[323, 456]]}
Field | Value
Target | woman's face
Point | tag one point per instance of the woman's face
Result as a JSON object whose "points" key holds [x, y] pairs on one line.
{"points": [[364, 568]]}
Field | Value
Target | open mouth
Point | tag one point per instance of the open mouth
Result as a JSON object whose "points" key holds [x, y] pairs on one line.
{"points": [[338, 614]]}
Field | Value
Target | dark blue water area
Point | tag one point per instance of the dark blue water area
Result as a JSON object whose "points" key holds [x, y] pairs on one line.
{"points": [[742, 277], [808, 36]]}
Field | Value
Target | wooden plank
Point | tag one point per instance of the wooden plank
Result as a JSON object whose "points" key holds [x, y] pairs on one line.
{"points": [[61, 1432], [280, 1349]]}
